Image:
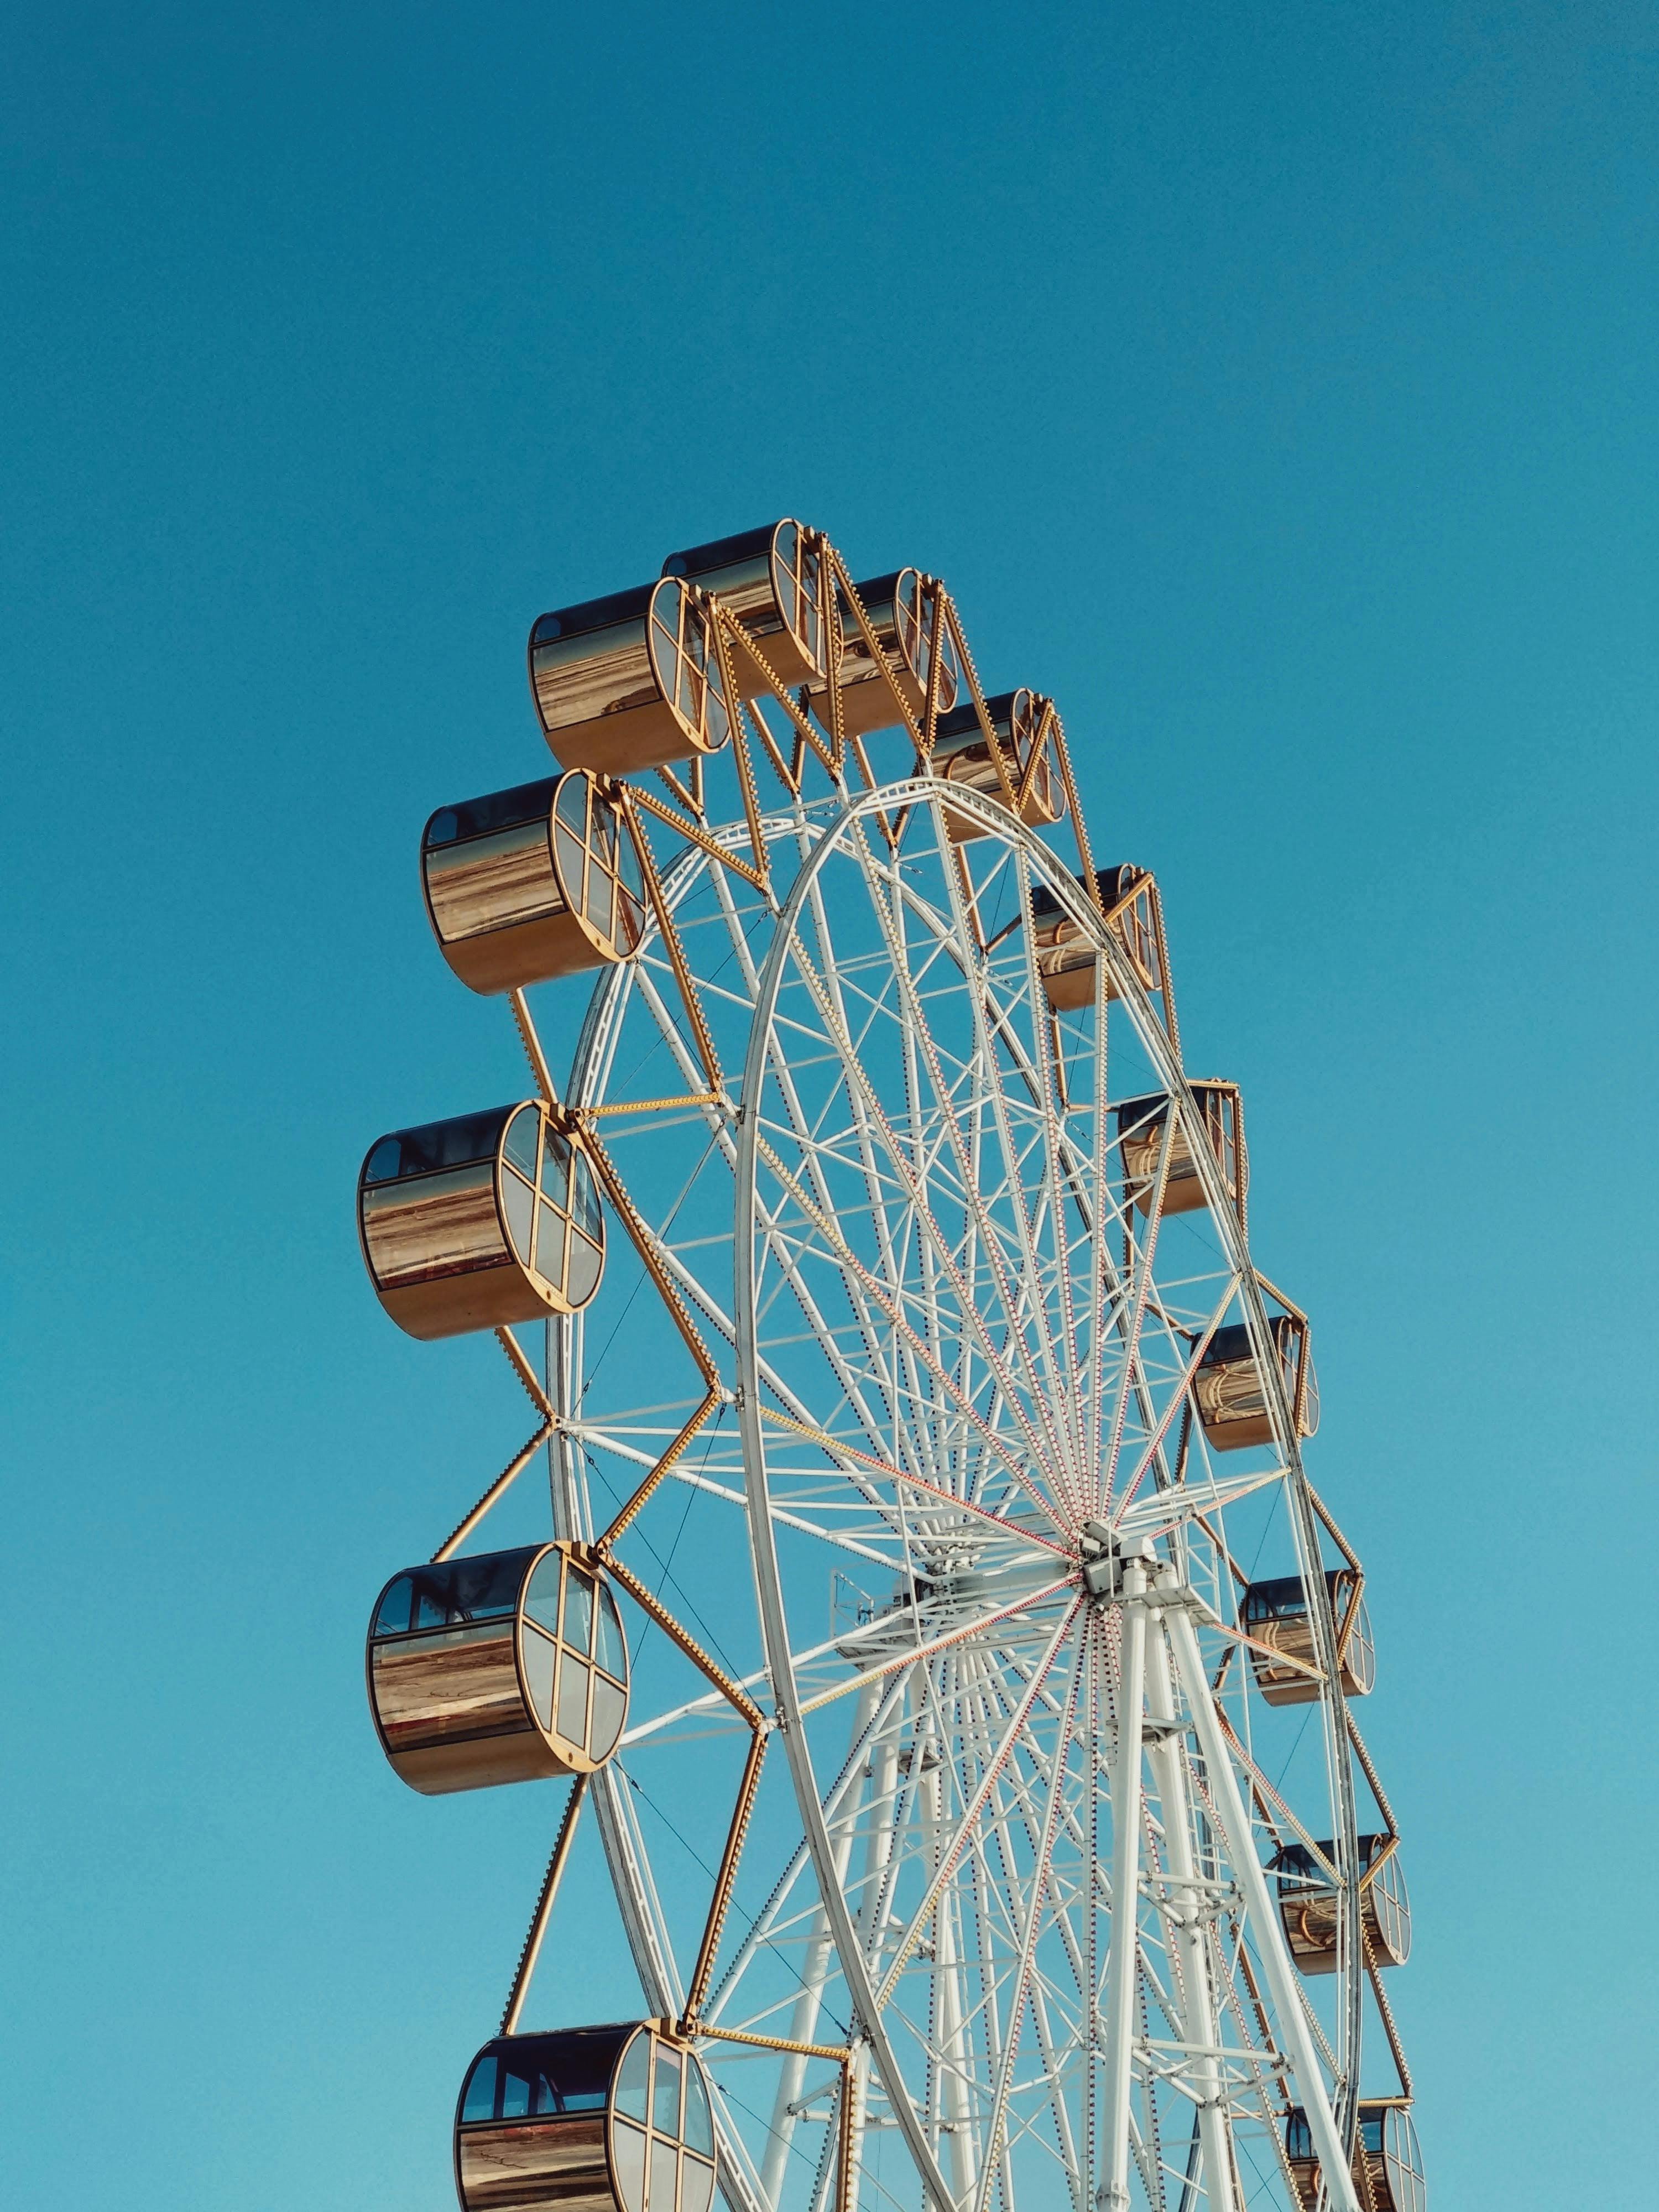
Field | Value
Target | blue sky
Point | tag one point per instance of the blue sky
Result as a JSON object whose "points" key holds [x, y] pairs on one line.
{"points": [[1273, 385]]}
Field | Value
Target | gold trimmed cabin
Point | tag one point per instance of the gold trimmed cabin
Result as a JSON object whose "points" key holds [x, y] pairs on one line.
{"points": [[1310, 1904], [476, 1222], [903, 613], [1275, 1613], [1140, 1139], [1067, 957], [1388, 2164], [526, 885], [1230, 1392], [962, 754], [630, 682], [589, 2119], [500, 1667], [773, 580]]}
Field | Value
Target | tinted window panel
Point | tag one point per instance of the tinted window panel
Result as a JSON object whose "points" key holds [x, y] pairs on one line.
{"points": [[450, 1144], [480, 2101], [392, 1617]]}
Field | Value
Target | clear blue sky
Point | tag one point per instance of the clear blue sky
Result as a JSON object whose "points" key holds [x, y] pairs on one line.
{"points": [[1274, 385]]}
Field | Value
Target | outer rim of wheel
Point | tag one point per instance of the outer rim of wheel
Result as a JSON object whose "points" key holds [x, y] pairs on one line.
{"points": [[591, 1068]]}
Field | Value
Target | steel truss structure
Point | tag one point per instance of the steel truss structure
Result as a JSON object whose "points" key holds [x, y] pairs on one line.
{"points": [[972, 1820]]}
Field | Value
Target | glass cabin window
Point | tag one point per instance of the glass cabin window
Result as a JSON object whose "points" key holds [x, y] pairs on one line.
{"points": [[497, 810], [628, 2148], [542, 1598], [610, 1709], [581, 1280], [665, 2162], [584, 1199], [454, 1592], [699, 2122], [665, 2093], [578, 1612], [549, 1245], [610, 1653], [573, 1700], [452, 1144], [523, 1140], [519, 1206], [479, 2102], [633, 2080], [392, 1618], [384, 1162], [540, 1653]]}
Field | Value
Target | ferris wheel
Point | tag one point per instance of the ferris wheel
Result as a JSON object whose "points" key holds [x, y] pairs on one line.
{"points": [[932, 1608]]}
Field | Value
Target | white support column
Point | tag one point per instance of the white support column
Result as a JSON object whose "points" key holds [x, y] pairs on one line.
{"points": [[1123, 1957], [804, 2025], [1281, 1976], [1189, 1942]]}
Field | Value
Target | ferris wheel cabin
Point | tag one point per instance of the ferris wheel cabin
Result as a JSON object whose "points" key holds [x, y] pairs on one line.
{"points": [[1387, 2165], [1140, 1124], [1229, 1391], [962, 754], [532, 884], [591, 2119], [503, 1667], [772, 579], [1311, 1903], [475, 1222], [1275, 1613], [904, 614], [1067, 958], [630, 682]]}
